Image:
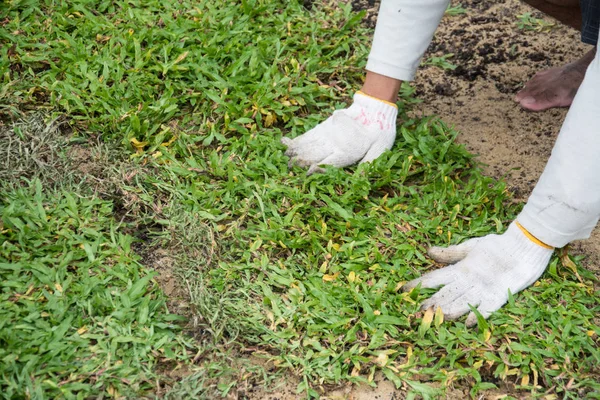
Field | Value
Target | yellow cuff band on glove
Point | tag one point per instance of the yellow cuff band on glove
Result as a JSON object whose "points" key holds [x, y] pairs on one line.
{"points": [[375, 98], [533, 238]]}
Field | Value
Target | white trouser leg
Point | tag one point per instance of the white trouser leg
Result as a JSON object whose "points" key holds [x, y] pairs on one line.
{"points": [[565, 203], [403, 32]]}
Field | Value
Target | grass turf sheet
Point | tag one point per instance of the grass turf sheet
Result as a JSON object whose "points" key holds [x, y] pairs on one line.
{"points": [[306, 271]]}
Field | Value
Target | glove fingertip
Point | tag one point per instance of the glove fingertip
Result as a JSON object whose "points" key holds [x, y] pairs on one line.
{"points": [[289, 153], [410, 285], [315, 169], [446, 255], [429, 303], [435, 251], [471, 320]]}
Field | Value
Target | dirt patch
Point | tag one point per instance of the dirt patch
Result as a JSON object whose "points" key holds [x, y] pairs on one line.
{"points": [[162, 262]]}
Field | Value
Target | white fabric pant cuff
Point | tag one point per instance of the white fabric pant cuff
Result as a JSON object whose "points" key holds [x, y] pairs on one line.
{"points": [[389, 70], [549, 236]]}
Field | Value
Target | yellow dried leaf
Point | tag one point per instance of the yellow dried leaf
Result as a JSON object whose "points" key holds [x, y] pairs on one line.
{"points": [[525, 380], [102, 38], [371, 375], [396, 370], [399, 286], [170, 142], [487, 334], [591, 333], [82, 330], [330, 277], [181, 57], [568, 263], [270, 119], [535, 375], [377, 312], [112, 391], [137, 143], [58, 287], [323, 267], [409, 353], [351, 276], [355, 371], [439, 317], [139, 146], [382, 359], [271, 317], [427, 317]]}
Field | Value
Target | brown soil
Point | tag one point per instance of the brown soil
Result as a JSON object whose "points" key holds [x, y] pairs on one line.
{"points": [[494, 59]]}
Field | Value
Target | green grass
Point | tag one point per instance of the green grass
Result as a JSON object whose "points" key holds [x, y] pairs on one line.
{"points": [[79, 314], [528, 22], [301, 272], [454, 10], [441, 62]]}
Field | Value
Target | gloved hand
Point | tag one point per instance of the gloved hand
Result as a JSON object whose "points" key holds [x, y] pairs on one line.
{"points": [[485, 270], [360, 132]]}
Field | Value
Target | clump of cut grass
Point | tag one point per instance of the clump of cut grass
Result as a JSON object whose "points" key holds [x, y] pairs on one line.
{"points": [[31, 148], [528, 22], [441, 62], [457, 9]]}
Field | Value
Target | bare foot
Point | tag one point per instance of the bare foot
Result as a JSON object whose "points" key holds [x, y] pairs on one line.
{"points": [[555, 87]]}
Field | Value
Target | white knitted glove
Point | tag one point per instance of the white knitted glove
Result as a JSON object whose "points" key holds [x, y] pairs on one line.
{"points": [[360, 132], [486, 269]]}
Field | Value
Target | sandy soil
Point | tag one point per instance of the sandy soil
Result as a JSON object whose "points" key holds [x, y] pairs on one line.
{"points": [[494, 60]]}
